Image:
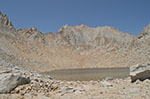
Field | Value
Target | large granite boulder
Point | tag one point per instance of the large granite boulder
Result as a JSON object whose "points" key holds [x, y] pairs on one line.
{"points": [[140, 71], [8, 82]]}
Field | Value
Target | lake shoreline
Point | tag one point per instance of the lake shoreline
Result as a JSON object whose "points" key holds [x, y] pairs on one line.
{"points": [[87, 74]]}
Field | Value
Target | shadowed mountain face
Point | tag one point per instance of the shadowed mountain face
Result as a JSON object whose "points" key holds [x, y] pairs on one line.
{"points": [[72, 47]]}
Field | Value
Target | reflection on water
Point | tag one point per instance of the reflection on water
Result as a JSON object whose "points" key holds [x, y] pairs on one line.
{"points": [[87, 74]]}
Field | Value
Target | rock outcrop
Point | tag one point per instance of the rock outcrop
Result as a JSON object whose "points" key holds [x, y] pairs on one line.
{"points": [[5, 24], [78, 36], [32, 34], [140, 71], [85, 36], [145, 32]]}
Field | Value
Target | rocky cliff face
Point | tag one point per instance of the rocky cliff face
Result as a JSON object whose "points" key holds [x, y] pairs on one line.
{"points": [[143, 37], [5, 24], [78, 36], [145, 32], [86, 36], [32, 34]]}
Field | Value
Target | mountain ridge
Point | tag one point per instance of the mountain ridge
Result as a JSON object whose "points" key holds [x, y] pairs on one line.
{"points": [[72, 47]]}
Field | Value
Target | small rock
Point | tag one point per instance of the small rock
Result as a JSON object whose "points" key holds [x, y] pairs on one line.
{"points": [[65, 89], [134, 90], [109, 78], [108, 84], [77, 91]]}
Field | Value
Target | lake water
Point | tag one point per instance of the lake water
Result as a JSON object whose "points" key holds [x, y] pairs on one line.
{"points": [[87, 74]]}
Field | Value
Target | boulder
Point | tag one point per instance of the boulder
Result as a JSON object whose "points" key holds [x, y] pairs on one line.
{"points": [[134, 90], [8, 82], [66, 89], [140, 71]]}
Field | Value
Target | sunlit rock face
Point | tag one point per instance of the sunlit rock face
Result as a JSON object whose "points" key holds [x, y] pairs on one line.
{"points": [[32, 34], [85, 36], [145, 33], [5, 24], [143, 37]]}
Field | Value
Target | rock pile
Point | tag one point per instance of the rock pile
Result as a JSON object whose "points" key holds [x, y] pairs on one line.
{"points": [[45, 87]]}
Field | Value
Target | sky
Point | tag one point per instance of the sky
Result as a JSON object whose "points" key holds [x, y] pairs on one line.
{"points": [[129, 16]]}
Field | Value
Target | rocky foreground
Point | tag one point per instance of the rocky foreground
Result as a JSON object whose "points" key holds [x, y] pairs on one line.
{"points": [[44, 87]]}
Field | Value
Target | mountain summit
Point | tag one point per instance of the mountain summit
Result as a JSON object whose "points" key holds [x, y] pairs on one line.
{"points": [[83, 35], [5, 24], [145, 32]]}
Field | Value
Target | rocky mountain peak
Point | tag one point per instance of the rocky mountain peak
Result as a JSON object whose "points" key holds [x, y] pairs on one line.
{"points": [[84, 35], [77, 27], [147, 28], [5, 24], [32, 34], [145, 32]]}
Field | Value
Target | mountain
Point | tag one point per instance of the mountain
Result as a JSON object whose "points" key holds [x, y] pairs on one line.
{"points": [[79, 36], [32, 34], [83, 35], [71, 47]]}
